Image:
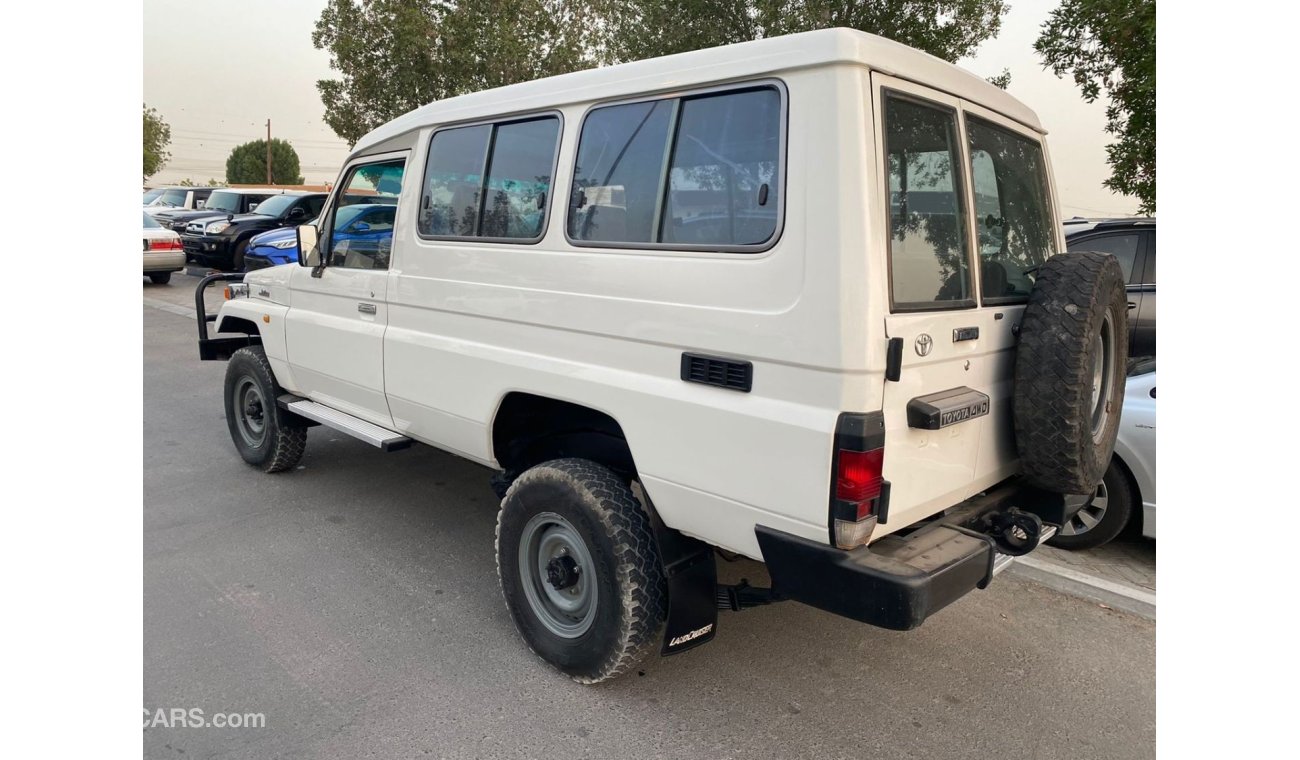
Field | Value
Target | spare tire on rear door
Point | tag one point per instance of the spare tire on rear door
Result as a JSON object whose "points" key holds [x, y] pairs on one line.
{"points": [[1069, 375]]}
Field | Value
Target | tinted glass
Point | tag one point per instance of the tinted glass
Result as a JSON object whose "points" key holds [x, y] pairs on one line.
{"points": [[1013, 218], [927, 219], [224, 201], [1122, 246], [453, 179], [149, 222], [519, 179], [368, 185], [173, 198], [722, 181], [152, 195], [616, 186], [1150, 277], [276, 205]]}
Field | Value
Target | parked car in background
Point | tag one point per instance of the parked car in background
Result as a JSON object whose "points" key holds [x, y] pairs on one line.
{"points": [[1130, 481], [222, 202], [185, 198], [367, 226], [162, 251], [220, 242], [1133, 242]]}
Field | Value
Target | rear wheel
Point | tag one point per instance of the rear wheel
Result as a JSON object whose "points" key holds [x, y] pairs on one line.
{"points": [[580, 570], [160, 278], [264, 435]]}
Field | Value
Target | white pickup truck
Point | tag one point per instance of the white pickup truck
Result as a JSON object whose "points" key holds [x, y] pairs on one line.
{"points": [[800, 299]]}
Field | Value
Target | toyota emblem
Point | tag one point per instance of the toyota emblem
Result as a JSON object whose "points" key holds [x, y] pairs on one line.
{"points": [[923, 344]]}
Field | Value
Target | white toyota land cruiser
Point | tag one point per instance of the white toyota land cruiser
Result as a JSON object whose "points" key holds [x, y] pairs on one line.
{"points": [[793, 298]]}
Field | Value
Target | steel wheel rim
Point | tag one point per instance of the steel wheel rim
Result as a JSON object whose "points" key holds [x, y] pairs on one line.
{"points": [[250, 412], [550, 546], [1103, 370], [1090, 514]]}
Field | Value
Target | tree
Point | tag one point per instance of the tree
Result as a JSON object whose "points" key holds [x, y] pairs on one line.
{"points": [[397, 55], [1110, 46], [157, 136], [247, 164]]}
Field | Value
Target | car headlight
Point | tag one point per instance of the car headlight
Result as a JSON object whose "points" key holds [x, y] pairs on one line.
{"points": [[216, 227], [283, 244]]}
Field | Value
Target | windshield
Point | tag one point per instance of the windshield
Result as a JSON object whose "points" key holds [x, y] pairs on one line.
{"points": [[149, 222], [227, 202], [173, 198], [152, 195], [275, 205]]}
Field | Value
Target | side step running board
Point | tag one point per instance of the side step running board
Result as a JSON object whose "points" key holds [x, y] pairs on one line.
{"points": [[343, 422]]}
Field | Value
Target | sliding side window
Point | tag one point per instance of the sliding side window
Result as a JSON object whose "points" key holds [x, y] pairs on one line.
{"points": [[489, 181], [699, 172]]}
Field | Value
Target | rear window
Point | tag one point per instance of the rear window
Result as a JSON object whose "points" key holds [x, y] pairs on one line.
{"points": [[1123, 246], [700, 172], [1013, 217], [490, 181], [927, 214]]}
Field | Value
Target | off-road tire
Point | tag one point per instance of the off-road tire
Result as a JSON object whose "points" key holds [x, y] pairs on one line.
{"points": [[160, 278], [1074, 293], [283, 442], [1118, 514], [632, 600]]}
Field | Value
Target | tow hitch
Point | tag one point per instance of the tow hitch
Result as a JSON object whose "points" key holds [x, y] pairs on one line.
{"points": [[1014, 531]]}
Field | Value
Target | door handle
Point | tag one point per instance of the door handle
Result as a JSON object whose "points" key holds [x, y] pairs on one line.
{"points": [[1132, 305], [367, 308]]}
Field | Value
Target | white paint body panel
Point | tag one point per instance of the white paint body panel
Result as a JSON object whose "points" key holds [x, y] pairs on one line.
{"points": [[1136, 445], [459, 325]]}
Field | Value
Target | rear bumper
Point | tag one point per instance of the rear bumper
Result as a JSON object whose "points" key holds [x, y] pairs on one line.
{"points": [[164, 261], [899, 581]]}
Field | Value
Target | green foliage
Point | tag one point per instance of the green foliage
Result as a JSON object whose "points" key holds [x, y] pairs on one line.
{"points": [[1109, 46], [1001, 81], [157, 136], [396, 55], [247, 164]]}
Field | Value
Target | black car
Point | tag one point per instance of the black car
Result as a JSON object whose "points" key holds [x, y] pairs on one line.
{"points": [[219, 242], [1133, 242], [227, 200]]}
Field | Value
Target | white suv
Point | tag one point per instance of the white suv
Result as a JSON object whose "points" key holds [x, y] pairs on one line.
{"points": [[794, 298]]}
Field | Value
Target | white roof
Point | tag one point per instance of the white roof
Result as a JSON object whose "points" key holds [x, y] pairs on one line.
{"points": [[698, 67]]}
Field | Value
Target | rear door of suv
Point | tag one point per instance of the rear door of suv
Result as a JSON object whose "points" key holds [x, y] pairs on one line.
{"points": [[970, 218]]}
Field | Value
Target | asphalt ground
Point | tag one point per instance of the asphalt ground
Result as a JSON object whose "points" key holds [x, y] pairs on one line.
{"points": [[354, 604]]}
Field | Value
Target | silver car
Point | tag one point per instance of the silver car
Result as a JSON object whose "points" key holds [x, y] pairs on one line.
{"points": [[1127, 493]]}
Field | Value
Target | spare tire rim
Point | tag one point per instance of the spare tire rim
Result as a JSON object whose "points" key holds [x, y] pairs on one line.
{"points": [[558, 575], [250, 412], [1090, 514], [1103, 370]]}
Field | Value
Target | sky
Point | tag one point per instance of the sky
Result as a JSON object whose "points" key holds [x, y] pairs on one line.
{"points": [[217, 71]]}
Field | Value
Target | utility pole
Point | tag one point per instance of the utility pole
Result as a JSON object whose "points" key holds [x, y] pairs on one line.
{"points": [[268, 151]]}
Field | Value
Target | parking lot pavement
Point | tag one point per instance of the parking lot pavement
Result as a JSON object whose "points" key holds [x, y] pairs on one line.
{"points": [[354, 604]]}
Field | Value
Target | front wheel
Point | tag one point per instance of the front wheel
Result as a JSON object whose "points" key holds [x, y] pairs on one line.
{"points": [[580, 570], [262, 433], [1102, 516]]}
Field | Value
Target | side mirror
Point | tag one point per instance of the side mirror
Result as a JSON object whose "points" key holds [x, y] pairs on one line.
{"points": [[308, 253], [360, 227]]}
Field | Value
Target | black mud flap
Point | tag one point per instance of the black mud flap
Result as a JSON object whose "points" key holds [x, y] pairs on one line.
{"points": [[692, 575]]}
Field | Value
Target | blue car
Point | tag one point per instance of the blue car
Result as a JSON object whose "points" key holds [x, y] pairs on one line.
{"points": [[362, 223]]}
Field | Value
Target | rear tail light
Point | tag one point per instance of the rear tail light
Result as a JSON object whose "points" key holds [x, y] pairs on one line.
{"points": [[166, 244], [859, 485]]}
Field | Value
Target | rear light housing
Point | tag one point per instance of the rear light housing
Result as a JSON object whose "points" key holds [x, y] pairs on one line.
{"points": [[859, 492], [166, 244]]}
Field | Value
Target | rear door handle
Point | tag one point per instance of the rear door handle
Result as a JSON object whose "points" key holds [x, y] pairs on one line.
{"points": [[1132, 305], [367, 308]]}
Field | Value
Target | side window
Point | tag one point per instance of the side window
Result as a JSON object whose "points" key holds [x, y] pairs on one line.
{"points": [[1123, 246], [489, 180], [1012, 212], [699, 172], [927, 217], [370, 189], [249, 202], [313, 205], [1149, 278]]}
